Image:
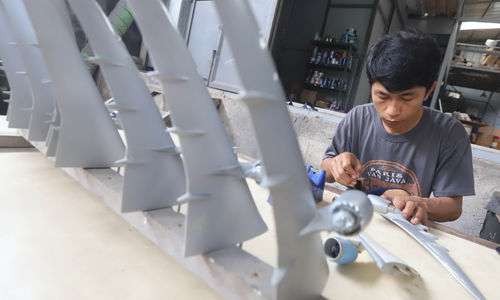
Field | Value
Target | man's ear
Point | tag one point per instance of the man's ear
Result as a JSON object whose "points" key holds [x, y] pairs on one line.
{"points": [[429, 91]]}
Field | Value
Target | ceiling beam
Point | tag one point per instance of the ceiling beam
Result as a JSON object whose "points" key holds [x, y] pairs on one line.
{"points": [[487, 8], [479, 20]]}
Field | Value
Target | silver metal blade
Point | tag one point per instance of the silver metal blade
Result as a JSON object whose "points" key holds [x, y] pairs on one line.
{"points": [[438, 251]]}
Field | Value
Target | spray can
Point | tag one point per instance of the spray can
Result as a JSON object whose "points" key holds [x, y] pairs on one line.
{"points": [[313, 57]]}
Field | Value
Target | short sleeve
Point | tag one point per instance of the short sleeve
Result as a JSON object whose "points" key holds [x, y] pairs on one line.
{"points": [[341, 141], [454, 174]]}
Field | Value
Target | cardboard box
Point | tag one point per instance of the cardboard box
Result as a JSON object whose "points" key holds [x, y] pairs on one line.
{"points": [[308, 96], [484, 139], [490, 130]]}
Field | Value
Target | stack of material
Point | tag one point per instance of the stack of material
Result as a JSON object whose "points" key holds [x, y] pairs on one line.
{"points": [[490, 59]]}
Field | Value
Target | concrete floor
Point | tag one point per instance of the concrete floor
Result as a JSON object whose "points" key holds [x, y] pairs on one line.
{"points": [[59, 242]]}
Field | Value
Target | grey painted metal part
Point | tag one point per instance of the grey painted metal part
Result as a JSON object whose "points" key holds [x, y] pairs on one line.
{"points": [[386, 262], [42, 94], [120, 26], [221, 211], [253, 170], [347, 215], [345, 251], [154, 175], [53, 133], [342, 251], [301, 272], [20, 101], [87, 136], [428, 241], [382, 205]]}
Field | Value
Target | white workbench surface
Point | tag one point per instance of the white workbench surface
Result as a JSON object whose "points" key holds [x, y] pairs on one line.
{"points": [[59, 242]]}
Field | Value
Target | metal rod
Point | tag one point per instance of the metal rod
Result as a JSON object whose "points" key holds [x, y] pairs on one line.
{"points": [[486, 106], [475, 69], [486, 10], [447, 57], [352, 5], [382, 14], [391, 15], [325, 18], [478, 50], [479, 20], [347, 105]]}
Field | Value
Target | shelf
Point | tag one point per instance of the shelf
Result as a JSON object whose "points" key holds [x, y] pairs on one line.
{"points": [[474, 78], [475, 49], [473, 123], [338, 45], [333, 67], [324, 88]]}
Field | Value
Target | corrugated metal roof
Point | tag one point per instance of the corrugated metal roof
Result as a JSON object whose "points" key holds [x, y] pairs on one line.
{"points": [[476, 9], [480, 9], [437, 8]]}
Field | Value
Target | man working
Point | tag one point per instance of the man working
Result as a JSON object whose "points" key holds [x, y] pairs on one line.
{"points": [[397, 146]]}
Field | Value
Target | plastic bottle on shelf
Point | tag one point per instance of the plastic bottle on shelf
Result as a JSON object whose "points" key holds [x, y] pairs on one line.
{"points": [[313, 78], [324, 58], [349, 62], [319, 56], [495, 142], [309, 74], [318, 78], [315, 52], [344, 58]]}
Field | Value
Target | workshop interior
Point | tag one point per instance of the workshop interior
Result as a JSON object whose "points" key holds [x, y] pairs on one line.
{"points": [[171, 149]]}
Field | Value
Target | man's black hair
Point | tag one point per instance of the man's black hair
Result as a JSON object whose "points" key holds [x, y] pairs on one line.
{"points": [[403, 60]]}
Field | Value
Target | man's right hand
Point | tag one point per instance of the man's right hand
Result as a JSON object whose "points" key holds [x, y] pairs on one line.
{"points": [[344, 168]]}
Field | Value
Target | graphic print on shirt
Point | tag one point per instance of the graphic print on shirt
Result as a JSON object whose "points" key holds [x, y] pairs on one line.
{"points": [[382, 173]]}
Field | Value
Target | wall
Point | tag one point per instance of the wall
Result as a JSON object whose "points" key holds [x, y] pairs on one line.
{"points": [[314, 129], [431, 25], [486, 181], [363, 92], [301, 19]]}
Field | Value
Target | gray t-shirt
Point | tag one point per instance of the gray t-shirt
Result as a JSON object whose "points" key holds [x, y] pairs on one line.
{"points": [[435, 156]]}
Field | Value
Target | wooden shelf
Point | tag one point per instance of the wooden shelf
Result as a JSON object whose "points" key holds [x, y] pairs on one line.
{"points": [[333, 67], [475, 78], [338, 45], [324, 88], [473, 123]]}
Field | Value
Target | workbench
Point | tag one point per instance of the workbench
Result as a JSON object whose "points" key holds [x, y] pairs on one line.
{"points": [[66, 239]]}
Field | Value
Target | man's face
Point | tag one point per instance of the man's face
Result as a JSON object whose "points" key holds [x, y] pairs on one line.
{"points": [[399, 111]]}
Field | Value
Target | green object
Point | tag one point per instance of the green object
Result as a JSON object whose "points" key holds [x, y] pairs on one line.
{"points": [[121, 18]]}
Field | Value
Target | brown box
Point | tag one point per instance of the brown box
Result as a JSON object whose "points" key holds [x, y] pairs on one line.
{"points": [[308, 96], [484, 139]]}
